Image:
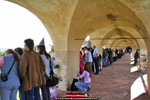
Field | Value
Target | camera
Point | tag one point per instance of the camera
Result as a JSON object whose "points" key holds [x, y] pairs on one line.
{"points": [[4, 77]]}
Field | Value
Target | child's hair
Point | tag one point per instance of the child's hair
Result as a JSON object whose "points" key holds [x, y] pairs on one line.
{"points": [[87, 68]]}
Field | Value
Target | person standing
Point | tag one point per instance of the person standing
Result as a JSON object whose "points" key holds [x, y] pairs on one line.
{"points": [[21, 92], [92, 50], [105, 58], [96, 59], [9, 66], [83, 56], [31, 71], [136, 56], [88, 58], [47, 59], [110, 55], [81, 64]]}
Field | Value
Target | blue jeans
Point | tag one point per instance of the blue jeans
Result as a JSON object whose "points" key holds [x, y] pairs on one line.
{"points": [[33, 94], [9, 92], [106, 61], [21, 94], [82, 86], [0, 93], [45, 92]]}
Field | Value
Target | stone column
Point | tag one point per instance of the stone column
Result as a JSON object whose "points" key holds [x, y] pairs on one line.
{"points": [[148, 67], [142, 60], [61, 60], [73, 59], [148, 78]]}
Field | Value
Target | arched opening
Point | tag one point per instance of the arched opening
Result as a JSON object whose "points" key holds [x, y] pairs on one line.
{"points": [[86, 17], [129, 49], [98, 26], [18, 24]]}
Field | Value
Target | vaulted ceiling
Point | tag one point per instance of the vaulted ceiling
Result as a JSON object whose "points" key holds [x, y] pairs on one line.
{"points": [[75, 19]]}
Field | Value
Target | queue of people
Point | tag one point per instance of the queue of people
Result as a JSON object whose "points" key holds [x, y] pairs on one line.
{"points": [[89, 60], [92, 58], [90, 63], [26, 72], [110, 56], [30, 70]]}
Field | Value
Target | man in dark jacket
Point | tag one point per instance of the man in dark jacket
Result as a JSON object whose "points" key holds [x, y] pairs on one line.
{"points": [[136, 56]]}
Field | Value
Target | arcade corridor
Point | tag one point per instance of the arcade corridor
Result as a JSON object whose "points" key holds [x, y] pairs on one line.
{"points": [[112, 24], [114, 82]]}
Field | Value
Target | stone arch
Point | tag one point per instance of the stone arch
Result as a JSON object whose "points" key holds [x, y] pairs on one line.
{"points": [[122, 35], [124, 44], [90, 16], [56, 17], [70, 21]]}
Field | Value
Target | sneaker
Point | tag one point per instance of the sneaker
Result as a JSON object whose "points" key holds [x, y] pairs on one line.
{"points": [[88, 89], [84, 91]]}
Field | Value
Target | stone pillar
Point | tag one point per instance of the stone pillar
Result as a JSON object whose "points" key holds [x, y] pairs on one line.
{"points": [[148, 73], [148, 67], [73, 55], [61, 60], [73, 65], [101, 52], [142, 60]]}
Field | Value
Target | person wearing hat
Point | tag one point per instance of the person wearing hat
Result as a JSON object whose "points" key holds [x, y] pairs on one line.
{"points": [[47, 59], [31, 71]]}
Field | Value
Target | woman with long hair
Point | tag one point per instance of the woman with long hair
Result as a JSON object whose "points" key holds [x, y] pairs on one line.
{"points": [[47, 61], [19, 51], [9, 67], [86, 84]]}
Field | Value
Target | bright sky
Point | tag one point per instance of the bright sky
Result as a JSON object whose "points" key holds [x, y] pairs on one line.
{"points": [[18, 24], [87, 38]]}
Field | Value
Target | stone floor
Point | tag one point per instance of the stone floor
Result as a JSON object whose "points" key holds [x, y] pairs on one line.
{"points": [[114, 82]]}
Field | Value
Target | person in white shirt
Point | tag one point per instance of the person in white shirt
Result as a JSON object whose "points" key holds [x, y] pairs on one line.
{"points": [[96, 60], [88, 58], [47, 61]]}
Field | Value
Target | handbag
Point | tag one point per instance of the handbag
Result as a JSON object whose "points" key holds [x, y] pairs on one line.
{"points": [[52, 80], [4, 76], [73, 87]]}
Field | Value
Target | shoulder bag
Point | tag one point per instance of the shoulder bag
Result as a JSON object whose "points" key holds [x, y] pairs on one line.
{"points": [[52, 80], [4, 76]]}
